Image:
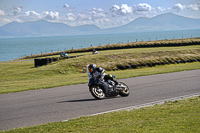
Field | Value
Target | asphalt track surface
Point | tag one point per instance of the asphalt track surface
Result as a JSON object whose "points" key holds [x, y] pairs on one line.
{"points": [[30, 108]]}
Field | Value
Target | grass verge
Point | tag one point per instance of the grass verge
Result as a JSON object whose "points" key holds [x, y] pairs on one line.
{"points": [[23, 82], [22, 75], [173, 116]]}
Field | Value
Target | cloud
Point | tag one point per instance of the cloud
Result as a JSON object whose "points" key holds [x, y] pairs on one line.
{"points": [[115, 8], [95, 16], [142, 7], [146, 9], [50, 15], [2, 13], [194, 7], [32, 14], [66, 6], [125, 9], [82, 16], [71, 17], [178, 7], [17, 10], [121, 10], [97, 13], [160, 9], [116, 15], [99, 10], [4, 21]]}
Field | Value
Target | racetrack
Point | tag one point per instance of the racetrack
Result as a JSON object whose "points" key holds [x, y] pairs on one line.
{"points": [[36, 107]]}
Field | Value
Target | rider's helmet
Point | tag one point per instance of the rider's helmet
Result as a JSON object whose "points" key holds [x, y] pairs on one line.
{"points": [[91, 68]]}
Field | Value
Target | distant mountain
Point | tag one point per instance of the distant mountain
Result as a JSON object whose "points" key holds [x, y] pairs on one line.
{"points": [[161, 22], [44, 28]]}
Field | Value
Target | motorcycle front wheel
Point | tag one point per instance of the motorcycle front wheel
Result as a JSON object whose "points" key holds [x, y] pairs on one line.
{"points": [[97, 92], [124, 90]]}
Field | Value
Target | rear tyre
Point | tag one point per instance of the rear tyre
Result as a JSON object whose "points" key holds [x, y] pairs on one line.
{"points": [[97, 92], [124, 91]]}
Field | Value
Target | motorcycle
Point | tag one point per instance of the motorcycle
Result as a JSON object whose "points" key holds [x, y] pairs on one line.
{"points": [[101, 89]]}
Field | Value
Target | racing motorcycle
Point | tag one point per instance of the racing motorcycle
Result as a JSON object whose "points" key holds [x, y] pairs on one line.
{"points": [[101, 89]]}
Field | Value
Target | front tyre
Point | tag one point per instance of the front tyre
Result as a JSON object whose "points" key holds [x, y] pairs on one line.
{"points": [[97, 92], [124, 90]]}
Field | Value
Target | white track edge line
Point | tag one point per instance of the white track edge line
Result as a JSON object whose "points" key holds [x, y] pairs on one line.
{"points": [[144, 105]]}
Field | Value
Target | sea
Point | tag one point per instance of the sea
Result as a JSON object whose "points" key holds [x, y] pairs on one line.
{"points": [[13, 48]]}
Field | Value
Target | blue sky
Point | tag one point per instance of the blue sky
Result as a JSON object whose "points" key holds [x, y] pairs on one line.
{"points": [[103, 13]]}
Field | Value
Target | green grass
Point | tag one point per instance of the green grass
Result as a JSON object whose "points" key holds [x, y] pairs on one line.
{"points": [[173, 116], [176, 116], [22, 75]]}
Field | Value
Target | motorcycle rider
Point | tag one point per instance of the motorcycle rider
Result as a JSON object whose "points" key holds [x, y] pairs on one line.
{"points": [[95, 52], [98, 72]]}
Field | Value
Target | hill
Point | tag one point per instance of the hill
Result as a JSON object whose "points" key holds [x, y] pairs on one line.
{"points": [[161, 22], [39, 28], [43, 28]]}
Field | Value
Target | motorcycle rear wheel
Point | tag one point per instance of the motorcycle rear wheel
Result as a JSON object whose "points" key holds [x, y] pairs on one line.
{"points": [[97, 92], [122, 92]]}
